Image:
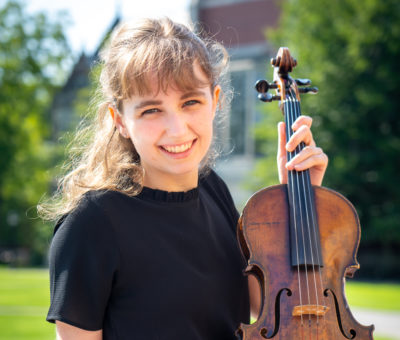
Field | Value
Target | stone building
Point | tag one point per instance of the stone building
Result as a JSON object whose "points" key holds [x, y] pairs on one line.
{"points": [[240, 26]]}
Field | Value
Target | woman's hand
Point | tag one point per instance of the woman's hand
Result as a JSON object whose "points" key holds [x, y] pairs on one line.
{"points": [[311, 157]]}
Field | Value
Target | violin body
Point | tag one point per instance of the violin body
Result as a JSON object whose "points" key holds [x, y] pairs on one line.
{"points": [[264, 238], [300, 241]]}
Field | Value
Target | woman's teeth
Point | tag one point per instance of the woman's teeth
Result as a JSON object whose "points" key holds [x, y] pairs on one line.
{"points": [[178, 148]]}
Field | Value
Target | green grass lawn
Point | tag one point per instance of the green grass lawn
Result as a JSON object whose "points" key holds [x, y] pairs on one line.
{"points": [[374, 296], [24, 299]]}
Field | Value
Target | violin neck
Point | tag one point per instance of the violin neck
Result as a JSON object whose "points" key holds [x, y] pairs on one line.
{"points": [[304, 231]]}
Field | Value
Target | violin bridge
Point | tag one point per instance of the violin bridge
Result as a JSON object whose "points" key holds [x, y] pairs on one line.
{"points": [[317, 310]]}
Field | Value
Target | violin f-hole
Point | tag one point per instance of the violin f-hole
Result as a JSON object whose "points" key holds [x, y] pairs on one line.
{"points": [[264, 331], [339, 319]]}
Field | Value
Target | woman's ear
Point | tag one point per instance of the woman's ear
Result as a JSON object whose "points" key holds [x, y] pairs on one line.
{"points": [[216, 93], [118, 121]]}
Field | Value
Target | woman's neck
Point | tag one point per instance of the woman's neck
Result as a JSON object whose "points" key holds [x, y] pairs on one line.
{"points": [[172, 183]]}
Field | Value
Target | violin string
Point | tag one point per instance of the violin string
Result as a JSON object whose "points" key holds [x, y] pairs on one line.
{"points": [[291, 181], [297, 175], [315, 236], [308, 207], [314, 223]]}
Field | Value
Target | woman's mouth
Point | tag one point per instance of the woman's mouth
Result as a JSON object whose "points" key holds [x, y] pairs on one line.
{"points": [[179, 148]]}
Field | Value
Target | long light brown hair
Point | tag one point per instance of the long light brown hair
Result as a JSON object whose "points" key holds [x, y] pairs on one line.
{"points": [[100, 158]]}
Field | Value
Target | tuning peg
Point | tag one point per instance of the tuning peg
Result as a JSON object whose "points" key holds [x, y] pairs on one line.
{"points": [[303, 82], [312, 90], [265, 97], [262, 86]]}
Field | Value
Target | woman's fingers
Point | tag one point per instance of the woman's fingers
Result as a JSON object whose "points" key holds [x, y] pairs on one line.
{"points": [[302, 134], [302, 120], [309, 157], [312, 158]]}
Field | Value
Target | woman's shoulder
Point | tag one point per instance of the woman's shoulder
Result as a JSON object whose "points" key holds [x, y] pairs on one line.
{"points": [[216, 187], [102, 197], [213, 182], [90, 212]]}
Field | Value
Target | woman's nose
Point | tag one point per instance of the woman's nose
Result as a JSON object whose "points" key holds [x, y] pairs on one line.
{"points": [[176, 124]]}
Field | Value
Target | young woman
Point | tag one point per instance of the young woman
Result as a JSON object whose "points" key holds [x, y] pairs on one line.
{"points": [[145, 245]]}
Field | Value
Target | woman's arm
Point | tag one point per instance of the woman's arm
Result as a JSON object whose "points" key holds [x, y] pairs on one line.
{"points": [[67, 332], [255, 296]]}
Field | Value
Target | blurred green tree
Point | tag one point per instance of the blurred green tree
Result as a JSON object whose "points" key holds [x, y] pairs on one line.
{"points": [[33, 59], [350, 49]]}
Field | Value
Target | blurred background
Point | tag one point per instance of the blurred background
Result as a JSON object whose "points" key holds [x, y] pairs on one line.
{"points": [[349, 49]]}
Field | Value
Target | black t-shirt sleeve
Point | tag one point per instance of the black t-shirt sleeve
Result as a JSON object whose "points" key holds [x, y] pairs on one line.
{"points": [[83, 261]]}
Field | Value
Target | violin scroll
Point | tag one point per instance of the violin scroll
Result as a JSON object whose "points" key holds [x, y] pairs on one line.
{"points": [[284, 61], [283, 64]]}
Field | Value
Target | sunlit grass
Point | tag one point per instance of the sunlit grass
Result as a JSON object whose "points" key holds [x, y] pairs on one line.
{"points": [[381, 296], [18, 286], [24, 300], [24, 327]]}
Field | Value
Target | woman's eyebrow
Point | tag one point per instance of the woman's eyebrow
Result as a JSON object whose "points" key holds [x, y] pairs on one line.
{"points": [[192, 94], [147, 103], [151, 102]]}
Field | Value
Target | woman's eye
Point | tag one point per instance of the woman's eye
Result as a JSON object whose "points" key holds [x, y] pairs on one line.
{"points": [[149, 111], [191, 102]]}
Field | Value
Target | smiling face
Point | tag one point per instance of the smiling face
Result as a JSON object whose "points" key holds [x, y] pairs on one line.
{"points": [[171, 131]]}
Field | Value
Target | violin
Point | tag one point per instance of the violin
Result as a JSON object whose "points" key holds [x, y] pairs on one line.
{"points": [[300, 242]]}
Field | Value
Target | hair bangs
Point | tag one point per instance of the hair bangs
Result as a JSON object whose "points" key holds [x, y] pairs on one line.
{"points": [[164, 64]]}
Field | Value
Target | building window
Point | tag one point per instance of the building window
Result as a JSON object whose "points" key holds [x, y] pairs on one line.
{"points": [[237, 118], [242, 113]]}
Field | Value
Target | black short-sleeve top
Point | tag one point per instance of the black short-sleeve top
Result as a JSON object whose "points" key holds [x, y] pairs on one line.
{"points": [[160, 265]]}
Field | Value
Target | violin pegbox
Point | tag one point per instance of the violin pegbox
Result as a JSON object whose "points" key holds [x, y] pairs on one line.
{"points": [[283, 64]]}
